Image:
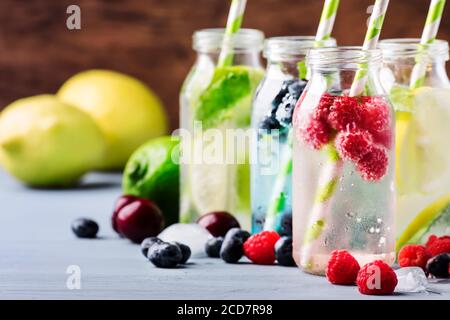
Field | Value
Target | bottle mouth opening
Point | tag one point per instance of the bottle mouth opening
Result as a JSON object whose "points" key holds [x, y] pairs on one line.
{"points": [[292, 47], [410, 48], [353, 57], [211, 40]]}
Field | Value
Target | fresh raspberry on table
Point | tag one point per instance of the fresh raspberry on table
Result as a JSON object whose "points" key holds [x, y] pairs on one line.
{"points": [[440, 245], [376, 118], [432, 238], [373, 165], [260, 247], [322, 110], [342, 268], [413, 255], [353, 144], [376, 278], [345, 111], [316, 134]]}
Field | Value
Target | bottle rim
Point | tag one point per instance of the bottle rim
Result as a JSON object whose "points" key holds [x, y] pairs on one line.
{"points": [[211, 40], [344, 57], [291, 47], [404, 48]]}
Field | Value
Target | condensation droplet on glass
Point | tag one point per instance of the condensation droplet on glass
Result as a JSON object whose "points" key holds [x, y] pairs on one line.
{"points": [[382, 242], [377, 230], [358, 220], [350, 215], [371, 230], [379, 220]]}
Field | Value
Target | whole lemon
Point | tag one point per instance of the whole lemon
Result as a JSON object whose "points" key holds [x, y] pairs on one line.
{"points": [[47, 143], [126, 110]]}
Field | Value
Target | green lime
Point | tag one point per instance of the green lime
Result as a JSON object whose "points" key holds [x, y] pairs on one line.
{"points": [[434, 219], [152, 172]]}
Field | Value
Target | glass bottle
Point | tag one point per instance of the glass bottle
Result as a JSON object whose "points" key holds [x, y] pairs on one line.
{"points": [[422, 137], [343, 162], [215, 109], [271, 148]]}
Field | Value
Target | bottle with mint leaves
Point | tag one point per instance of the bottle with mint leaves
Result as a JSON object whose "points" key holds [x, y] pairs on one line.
{"points": [[215, 112]]}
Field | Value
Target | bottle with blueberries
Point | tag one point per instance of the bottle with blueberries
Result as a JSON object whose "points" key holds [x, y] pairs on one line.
{"points": [[343, 161], [271, 144]]}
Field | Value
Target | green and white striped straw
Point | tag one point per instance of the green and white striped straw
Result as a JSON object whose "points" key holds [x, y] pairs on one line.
{"points": [[326, 21], [428, 36], [370, 42], [234, 22]]}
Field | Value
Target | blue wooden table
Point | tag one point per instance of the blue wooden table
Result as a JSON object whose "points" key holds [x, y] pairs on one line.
{"points": [[37, 249]]}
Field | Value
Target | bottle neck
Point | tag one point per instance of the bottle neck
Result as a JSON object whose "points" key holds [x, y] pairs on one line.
{"points": [[290, 68], [249, 58]]}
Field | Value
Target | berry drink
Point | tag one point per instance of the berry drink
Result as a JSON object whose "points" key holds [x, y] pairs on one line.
{"points": [[271, 148], [343, 163]]}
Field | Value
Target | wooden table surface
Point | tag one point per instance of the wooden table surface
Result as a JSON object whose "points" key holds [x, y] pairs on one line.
{"points": [[37, 247]]}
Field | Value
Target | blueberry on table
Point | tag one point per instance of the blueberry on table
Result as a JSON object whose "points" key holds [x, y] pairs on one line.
{"points": [[185, 252], [147, 243], [285, 224], [232, 247], [438, 265], [165, 255], [85, 228], [283, 252], [212, 247]]}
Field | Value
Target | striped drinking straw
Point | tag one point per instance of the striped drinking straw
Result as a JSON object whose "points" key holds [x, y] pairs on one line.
{"points": [[370, 42], [428, 36], [326, 21], [234, 22]]}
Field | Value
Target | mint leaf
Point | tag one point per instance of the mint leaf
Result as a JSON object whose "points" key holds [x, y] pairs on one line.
{"points": [[227, 87]]}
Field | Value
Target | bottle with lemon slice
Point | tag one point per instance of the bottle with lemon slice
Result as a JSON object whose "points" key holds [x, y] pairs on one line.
{"points": [[215, 104], [422, 138]]}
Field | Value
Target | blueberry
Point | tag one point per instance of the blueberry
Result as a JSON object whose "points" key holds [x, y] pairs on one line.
{"points": [[296, 88], [165, 255], [232, 247], [286, 109], [284, 90], [185, 252], [238, 233], [147, 243], [283, 251], [270, 123], [438, 265], [285, 224], [212, 247], [85, 228]]}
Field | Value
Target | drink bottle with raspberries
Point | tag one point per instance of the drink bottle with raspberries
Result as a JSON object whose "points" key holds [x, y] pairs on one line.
{"points": [[215, 110], [271, 150], [422, 113], [343, 162]]}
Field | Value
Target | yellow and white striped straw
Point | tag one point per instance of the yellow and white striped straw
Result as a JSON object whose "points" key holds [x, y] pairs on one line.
{"points": [[428, 36], [326, 21], [234, 22], [370, 42]]}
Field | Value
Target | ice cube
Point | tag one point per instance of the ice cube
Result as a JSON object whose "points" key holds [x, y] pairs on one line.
{"points": [[411, 279], [192, 235]]}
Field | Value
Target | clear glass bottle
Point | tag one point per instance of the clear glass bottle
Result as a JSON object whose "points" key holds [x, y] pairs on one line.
{"points": [[215, 105], [271, 148], [422, 137], [343, 162]]}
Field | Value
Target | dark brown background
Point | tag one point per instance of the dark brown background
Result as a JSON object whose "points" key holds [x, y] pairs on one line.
{"points": [[151, 39]]}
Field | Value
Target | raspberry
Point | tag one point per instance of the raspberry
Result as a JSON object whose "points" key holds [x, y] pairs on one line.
{"points": [[376, 119], [260, 248], [433, 238], [374, 164], [344, 111], [440, 245], [316, 134], [413, 256], [353, 144], [342, 268], [323, 108], [376, 278]]}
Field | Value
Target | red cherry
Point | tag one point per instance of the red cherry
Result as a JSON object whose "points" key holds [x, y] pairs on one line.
{"points": [[139, 219], [120, 203], [218, 222]]}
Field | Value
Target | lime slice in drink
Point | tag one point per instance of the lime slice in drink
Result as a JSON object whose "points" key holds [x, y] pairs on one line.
{"points": [[435, 219], [422, 132]]}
